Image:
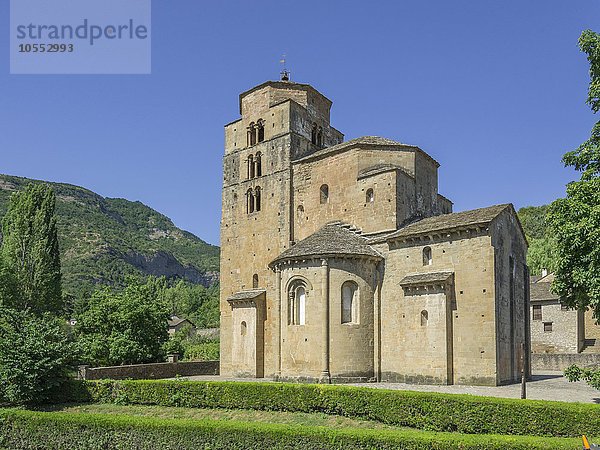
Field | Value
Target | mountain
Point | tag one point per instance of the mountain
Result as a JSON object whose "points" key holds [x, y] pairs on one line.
{"points": [[103, 240]]}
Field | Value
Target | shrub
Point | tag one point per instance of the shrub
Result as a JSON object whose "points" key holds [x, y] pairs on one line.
{"points": [[36, 356], [205, 351], [423, 410], [57, 431]]}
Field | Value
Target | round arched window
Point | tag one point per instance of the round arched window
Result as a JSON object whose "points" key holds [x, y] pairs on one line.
{"points": [[370, 197]]}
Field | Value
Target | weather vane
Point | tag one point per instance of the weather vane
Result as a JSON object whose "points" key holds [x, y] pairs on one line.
{"points": [[285, 74]]}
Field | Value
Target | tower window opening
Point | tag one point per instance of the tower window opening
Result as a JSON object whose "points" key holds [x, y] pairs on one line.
{"points": [[243, 328], [261, 130], [424, 318], [255, 281], [370, 196], [251, 134], [427, 258], [320, 137], [251, 168], [249, 201], [324, 194], [257, 199], [313, 134], [258, 164]]}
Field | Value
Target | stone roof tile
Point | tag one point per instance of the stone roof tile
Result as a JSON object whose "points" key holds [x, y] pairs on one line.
{"points": [[334, 239], [479, 216], [363, 141], [419, 279], [541, 291], [246, 295]]}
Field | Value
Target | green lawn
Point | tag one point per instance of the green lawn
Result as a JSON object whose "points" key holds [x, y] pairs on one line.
{"points": [[241, 415]]}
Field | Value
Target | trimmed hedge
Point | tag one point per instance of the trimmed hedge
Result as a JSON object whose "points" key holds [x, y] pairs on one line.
{"points": [[21, 429], [422, 410]]}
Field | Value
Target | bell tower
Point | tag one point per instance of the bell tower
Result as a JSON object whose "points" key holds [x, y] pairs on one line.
{"points": [[280, 121]]}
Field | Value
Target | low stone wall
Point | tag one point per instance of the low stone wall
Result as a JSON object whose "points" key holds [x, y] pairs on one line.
{"points": [[560, 361], [150, 371]]}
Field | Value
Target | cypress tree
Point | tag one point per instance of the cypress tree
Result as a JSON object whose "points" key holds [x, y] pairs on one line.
{"points": [[29, 256]]}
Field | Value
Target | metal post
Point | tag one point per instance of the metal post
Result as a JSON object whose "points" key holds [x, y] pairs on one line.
{"points": [[523, 375]]}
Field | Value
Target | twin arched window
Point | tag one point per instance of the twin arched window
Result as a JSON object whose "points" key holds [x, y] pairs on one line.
{"points": [[256, 132], [350, 302], [253, 200], [324, 194], [297, 304], [254, 165]]}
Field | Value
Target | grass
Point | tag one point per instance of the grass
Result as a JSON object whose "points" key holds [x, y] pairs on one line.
{"points": [[240, 415], [151, 427]]}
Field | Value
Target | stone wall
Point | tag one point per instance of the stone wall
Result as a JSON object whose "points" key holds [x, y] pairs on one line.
{"points": [[151, 371], [470, 305], [557, 330], [560, 361]]}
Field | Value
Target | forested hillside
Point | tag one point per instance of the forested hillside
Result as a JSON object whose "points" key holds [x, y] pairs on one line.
{"points": [[103, 240], [541, 244]]}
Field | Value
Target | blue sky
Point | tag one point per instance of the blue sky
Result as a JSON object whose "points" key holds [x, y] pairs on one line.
{"points": [[494, 90]]}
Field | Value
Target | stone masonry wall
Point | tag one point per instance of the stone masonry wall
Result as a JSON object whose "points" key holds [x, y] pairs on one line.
{"points": [[152, 371]]}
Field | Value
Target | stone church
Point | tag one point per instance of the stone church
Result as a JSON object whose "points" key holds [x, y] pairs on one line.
{"points": [[340, 261]]}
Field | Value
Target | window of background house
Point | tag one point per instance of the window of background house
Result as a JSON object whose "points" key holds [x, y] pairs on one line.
{"points": [[547, 327], [537, 312]]}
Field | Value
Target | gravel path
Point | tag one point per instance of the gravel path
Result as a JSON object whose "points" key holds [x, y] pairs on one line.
{"points": [[544, 386]]}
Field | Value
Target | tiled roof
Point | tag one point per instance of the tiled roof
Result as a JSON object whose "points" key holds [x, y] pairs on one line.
{"points": [[331, 240], [541, 291], [419, 279], [362, 141], [246, 295], [176, 320], [380, 168], [449, 221]]}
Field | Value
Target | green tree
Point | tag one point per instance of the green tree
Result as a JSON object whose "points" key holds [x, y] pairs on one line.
{"points": [[575, 220], [36, 355], [542, 245], [126, 327], [29, 255]]}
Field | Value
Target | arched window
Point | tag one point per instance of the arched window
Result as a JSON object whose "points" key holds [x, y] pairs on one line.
{"points": [[243, 328], [251, 134], [300, 212], [320, 137], [261, 130], [258, 164], [255, 281], [313, 134], [424, 318], [257, 199], [324, 194], [370, 198], [297, 304], [349, 302], [250, 167], [249, 201], [427, 260]]}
